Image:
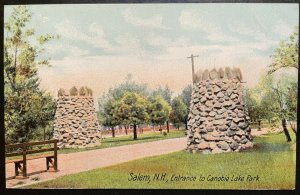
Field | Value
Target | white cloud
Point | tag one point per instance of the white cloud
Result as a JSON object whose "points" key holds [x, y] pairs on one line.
{"points": [[191, 19], [94, 36], [154, 39], [153, 22], [61, 48], [262, 41], [128, 44]]}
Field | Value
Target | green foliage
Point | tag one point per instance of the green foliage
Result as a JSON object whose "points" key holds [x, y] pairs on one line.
{"points": [[158, 110], [129, 85], [132, 109], [286, 55], [186, 96], [179, 111], [273, 99], [165, 93], [115, 95], [73, 91], [27, 108], [111, 113]]}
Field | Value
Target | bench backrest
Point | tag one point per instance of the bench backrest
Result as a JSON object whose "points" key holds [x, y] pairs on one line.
{"points": [[22, 148]]}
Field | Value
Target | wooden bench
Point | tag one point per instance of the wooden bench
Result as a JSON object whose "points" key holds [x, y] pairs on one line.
{"points": [[23, 149]]}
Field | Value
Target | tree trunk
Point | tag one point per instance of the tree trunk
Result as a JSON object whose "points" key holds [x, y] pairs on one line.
{"points": [[186, 126], [293, 127], [134, 132], [259, 127], [286, 132], [44, 134], [126, 130], [113, 131], [168, 127]]}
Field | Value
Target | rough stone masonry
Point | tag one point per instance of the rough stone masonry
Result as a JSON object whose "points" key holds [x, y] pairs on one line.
{"points": [[76, 124], [218, 120]]}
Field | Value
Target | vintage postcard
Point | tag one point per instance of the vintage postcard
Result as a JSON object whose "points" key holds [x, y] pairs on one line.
{"points": [[151, 96]]}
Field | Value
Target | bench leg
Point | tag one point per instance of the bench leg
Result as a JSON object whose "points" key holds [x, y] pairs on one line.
{"points": [[55, 163], [20, 168], [17, 165], [53, 166], [24, 169]]}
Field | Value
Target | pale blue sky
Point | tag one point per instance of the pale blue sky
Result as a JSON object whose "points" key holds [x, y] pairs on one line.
{"points": [[100, 44]]}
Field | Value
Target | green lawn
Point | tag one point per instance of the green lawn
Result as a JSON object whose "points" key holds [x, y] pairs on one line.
{"points": [[271, 160]]}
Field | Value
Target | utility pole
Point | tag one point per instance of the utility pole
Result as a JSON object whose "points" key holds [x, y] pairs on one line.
{"points": [[192, 59]]}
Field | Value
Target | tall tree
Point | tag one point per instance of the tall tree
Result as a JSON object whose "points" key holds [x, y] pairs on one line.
{"points": [[277, 99], [111, 115], [129, 85], [132, 109], [286, 55], [186, 96], [178, 112], [166, 93], [27, 107], [159, 110]]}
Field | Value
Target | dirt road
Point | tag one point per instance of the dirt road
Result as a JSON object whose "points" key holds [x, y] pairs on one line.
{"points": [[84, 161]]}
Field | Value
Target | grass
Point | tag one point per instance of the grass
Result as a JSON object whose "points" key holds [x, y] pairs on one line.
{"points": [[271, 160]]}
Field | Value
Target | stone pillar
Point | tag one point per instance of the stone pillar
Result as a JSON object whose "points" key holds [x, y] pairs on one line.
{"points": [[218, 121], [76, 124]]}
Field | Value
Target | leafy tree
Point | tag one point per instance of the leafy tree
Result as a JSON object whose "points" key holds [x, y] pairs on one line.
{"points": [[276, 99], [129, 85], [166, 94], [159, 110], [286, 55], [132, 109], [116, 93], [27, 108], [111, 115], [186, 96], [178, 112]]}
